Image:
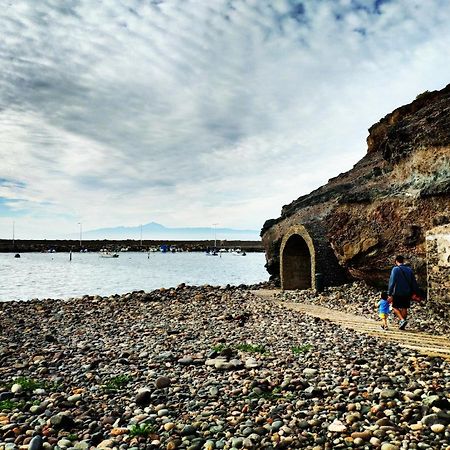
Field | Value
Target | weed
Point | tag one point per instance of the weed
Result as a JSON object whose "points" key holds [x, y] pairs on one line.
{"points": [[219, 348], [275, 394], [250, 348], [117, 382], [141, 430], [10, 405], [28, 384], [268, 395], [289, 396], [7, 405], [423, 94], [301, 349]]}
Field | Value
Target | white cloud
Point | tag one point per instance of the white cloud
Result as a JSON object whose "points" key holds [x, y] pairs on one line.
{"points": [[188, 112]]}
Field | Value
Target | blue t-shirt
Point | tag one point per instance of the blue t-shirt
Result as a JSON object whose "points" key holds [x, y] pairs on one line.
{"points": [[383, 306]]}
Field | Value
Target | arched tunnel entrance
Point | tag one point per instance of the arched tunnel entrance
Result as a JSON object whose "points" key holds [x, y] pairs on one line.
{"points": [[297, 261]]}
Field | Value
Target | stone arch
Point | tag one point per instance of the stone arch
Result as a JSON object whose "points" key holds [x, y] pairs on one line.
{"points": [[297, 259]]}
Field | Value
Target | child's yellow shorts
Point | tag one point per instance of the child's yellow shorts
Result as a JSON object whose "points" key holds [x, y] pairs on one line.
{"points": [[383, 315]]}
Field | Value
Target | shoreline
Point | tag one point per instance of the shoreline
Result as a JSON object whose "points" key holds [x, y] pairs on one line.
{"points": [[206, 367]]}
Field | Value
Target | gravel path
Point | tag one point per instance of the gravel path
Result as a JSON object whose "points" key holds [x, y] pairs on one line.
{"points": [[206, 368], [425, 343], [358, 298]]}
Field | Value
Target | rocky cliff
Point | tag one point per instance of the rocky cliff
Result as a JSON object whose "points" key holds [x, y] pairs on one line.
{"points": [[387, 202]]}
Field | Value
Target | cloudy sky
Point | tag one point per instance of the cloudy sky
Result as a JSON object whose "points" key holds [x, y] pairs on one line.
{"points": [[193, 112]]}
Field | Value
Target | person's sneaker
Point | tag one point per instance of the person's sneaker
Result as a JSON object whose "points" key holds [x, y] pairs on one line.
{"points": [[403, 324]]}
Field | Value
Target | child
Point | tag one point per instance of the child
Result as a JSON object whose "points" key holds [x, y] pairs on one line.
{"points": [[383, 310]]}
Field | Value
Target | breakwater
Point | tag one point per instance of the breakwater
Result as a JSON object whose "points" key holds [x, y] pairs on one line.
{"points": [[8, 245]]}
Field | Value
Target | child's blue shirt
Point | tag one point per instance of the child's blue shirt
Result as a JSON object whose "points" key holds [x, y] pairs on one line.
{"points": [[383, 306]]}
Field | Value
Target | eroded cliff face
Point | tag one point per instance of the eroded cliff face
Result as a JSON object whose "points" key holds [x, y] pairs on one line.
{"points": [[387, 202]]}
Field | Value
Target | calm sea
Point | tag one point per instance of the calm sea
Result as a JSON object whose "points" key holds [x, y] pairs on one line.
{"points": [[52, 275]]}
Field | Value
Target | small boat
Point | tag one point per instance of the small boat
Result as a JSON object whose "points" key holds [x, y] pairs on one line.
{"points": [[17, 255], [212, 253], [239, 252], [109, 255]]}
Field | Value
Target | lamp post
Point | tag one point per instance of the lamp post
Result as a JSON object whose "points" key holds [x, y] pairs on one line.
{"points": [[215, 235], [81, 234]]}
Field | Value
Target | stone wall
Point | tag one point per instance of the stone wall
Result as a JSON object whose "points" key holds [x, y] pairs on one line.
{"points": [[438, 264], [304, 252]]}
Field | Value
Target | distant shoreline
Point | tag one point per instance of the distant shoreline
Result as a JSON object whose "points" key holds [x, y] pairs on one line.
{"points": [[136, 245]]}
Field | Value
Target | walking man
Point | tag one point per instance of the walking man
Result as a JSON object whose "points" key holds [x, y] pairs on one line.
{"points": [[402, 284]]}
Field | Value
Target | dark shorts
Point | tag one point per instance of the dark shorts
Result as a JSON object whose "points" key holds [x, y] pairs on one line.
{"points": [[401, 301]]}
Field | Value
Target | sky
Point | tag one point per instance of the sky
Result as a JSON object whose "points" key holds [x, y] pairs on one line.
{"points": [[195, 112]]}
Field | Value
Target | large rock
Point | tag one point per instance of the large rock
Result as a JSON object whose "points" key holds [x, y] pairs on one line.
{"points": [[143, 397], [62, 421], [384, 206]]}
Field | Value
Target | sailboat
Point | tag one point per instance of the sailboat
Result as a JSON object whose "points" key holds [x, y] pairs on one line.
{"points": [[213, 251]]}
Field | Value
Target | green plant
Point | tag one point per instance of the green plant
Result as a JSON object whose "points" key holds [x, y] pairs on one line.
{"points": [[72, 437], [250, 348], [7, 405], [117, 382], [10, 405], [301, 349], [28, 384], [141, 430], [275, 394], [219, 348], [423, 94]]}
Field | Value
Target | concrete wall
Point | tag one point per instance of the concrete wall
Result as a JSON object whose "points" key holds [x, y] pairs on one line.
{"points": [[438, 264]]}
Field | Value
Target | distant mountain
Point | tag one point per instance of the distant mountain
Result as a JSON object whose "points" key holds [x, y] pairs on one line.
{"points": [[156, 231]]}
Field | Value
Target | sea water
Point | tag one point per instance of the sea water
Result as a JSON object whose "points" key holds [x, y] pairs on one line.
{"points": [[53, 275]]}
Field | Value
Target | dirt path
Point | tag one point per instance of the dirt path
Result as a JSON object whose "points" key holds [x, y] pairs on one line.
{"points": [[422, 342]]}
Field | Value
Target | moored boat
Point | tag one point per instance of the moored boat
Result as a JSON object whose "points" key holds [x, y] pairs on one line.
{"points": [[109, 255]]}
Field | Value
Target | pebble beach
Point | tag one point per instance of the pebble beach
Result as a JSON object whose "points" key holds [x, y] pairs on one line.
{"points": [[209, 368]]}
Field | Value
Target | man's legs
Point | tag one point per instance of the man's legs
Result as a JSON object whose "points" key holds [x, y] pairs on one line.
{"points": [[404, 312], [400, 307], [403, 322], [399, 313]]}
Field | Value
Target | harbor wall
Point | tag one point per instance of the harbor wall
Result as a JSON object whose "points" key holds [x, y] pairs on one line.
{"points": [[20, 246]]}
